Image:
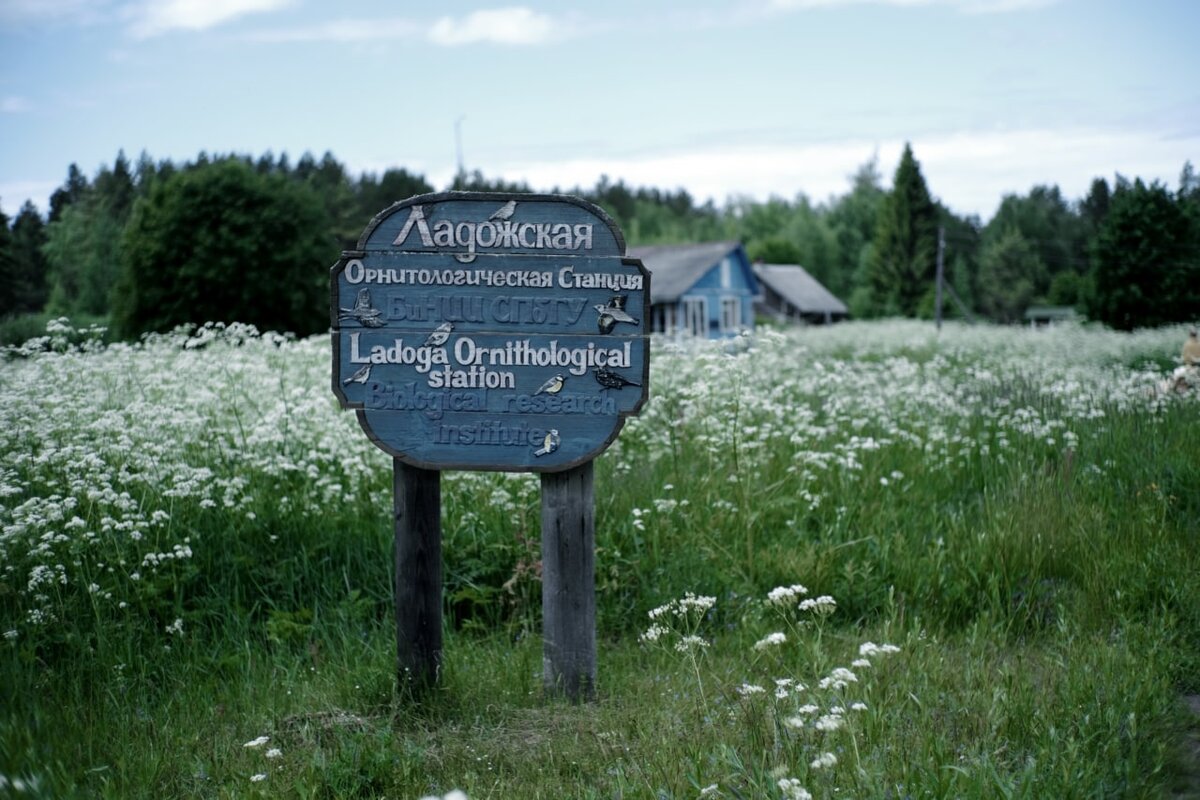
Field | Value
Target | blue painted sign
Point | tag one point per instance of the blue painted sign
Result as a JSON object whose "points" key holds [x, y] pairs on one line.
{"points": [[490, 331]]}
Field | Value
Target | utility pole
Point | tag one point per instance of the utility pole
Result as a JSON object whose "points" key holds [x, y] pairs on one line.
{"points": [[941, 274], [461, 174]]}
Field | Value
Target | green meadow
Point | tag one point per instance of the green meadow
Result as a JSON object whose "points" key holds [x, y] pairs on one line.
{"points": [[864, 561]]}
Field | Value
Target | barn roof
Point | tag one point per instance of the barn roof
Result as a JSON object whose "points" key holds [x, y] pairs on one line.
{"points": [[675, 268], [793, 283]]}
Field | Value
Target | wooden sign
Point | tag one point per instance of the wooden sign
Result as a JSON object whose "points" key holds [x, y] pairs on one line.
{"points": [[491, 331]]}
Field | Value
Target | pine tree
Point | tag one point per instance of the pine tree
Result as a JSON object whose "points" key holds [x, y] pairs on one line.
{"points": [[70, 192], [902, 267], [1146, 264], [8, 265], [29, 237]]}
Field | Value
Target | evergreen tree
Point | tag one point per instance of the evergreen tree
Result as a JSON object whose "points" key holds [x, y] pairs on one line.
{"points": [[1146, 264], [29, 237], [852, 220], [8, 270], [114, 188], [70, 192], [902, 268]]}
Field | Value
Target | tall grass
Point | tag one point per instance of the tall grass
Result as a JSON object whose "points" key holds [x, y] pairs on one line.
{"points": [[195, 553]]}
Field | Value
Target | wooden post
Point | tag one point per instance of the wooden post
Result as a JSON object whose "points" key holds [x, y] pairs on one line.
{"points": [[569, 583], [417, 502]]}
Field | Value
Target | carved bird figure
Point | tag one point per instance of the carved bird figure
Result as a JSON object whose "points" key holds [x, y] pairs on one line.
{"points": [[549, 444], [439, 336], [615, 308], [363, 311], [612, 380], [359, 377], [552, 386], [504, 212]]}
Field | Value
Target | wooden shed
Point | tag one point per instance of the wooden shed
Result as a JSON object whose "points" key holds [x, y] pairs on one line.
{"points": [[700, 289], [790, 293]]}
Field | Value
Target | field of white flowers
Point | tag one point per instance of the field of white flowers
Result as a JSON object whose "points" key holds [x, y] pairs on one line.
{"points": [[202, 489]]}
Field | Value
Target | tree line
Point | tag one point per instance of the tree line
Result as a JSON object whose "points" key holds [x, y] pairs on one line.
{"points": [[153, 244]]}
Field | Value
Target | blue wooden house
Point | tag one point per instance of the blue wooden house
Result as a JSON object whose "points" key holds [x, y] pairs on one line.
{"points": [[699, 289]]}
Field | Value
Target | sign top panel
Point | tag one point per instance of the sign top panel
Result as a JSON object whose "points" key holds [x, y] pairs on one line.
{"points": [[491, 331], [470, 224]]}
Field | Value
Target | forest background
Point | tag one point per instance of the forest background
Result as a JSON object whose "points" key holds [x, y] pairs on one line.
{"points": [[147, 246]]}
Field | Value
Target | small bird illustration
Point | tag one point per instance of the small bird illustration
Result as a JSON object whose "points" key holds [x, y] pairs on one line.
{"points": [[363, 311], [613, 312], [359, 377], [549, 444], [612, 380], [552, 386], [439, 336], [504, 212]]}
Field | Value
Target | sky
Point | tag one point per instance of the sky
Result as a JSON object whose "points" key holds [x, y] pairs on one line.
{"points": [[724, 98]]}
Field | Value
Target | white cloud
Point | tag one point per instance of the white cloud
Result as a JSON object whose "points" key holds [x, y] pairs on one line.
{"points": [[154, 17], [965, 6], [515, 26], [970, 172], [344, 30]]}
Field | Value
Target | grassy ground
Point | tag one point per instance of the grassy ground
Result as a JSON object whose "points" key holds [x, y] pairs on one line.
{"points": [[195, 555]]}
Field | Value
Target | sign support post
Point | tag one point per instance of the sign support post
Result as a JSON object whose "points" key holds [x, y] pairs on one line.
{"points": [[569, 583], [417, 502], [490, 331]]}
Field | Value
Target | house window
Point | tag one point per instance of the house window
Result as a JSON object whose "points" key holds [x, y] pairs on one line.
{"points": [[695, 316], [731, 314], [664, 318], [726, 276]]}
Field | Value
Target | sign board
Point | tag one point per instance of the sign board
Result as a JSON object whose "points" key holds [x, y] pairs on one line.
{"points": [[491, 331]]}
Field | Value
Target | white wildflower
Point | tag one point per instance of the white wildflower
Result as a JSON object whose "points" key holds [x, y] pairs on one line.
{"points": [[274, 752], [824, 761], [747, 689], [690, 643], [829, 723], [785, 595], [259, 742], [654, 633], [770, 640], [823, 605], [256, 778], [792, 790]]}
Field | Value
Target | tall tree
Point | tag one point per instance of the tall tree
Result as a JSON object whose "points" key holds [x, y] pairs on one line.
{"points": [[29, 237], [83, 258], [70, 192], [8, 269], [852, 219], [224, 242], [1009, 269], [1146, 264], [1051, 226], [901, 272]]}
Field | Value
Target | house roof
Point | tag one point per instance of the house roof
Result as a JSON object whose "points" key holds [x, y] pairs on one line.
{"points": [[1051, 312], [793, 283], [675, 268]]}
